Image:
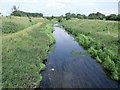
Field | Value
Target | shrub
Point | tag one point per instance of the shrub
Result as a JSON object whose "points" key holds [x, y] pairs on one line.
{"points": [[108, 64], [92, 51], [98, 59]]}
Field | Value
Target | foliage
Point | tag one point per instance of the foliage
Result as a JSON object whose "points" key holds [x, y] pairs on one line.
{"points": [[79, 16], [111, 17], [23, 53], [13, 24], [68, 16], [97, 15], [60, 19], [23, 14], [100, 38]]}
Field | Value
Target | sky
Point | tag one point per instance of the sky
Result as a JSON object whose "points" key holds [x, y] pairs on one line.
{"points": [[60, 7]]}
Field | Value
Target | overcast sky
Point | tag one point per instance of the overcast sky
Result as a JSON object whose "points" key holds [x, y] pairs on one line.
{"points": [[60, 7]]}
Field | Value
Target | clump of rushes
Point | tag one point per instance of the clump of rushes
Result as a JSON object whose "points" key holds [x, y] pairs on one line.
{"points": [[100, 39], [23, 53]]}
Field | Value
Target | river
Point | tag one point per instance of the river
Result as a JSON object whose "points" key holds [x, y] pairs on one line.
{"points": [[66, 69]]}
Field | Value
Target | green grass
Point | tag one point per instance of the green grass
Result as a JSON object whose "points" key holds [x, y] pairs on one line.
{"points": [[23, 53], [11, 24], [0, 53], [100, 38]]}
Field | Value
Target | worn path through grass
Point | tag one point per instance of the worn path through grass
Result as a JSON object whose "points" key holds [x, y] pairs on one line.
{"points": [[23, 53]]}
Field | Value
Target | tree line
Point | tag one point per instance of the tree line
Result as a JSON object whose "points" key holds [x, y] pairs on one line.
{"points": [[98, 15], [23, 14], [68, 16], [17, 12]]}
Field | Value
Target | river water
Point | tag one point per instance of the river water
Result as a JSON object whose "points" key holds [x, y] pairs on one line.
{"points": [[66, 69]]}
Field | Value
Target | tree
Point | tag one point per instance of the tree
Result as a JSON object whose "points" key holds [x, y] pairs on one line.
{"points": [[15, 8], [93, 16], [68, 16], [53, 17], [112, 17], [79, 16], [118, 17], [100, 15], [97, 15], [73, 15], [85, 17], [24, 14], [60, 19]]}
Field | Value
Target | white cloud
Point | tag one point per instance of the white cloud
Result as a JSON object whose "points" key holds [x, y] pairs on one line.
{"points": [[19, 1], [58, 1], [58, 4], [99, 1]]}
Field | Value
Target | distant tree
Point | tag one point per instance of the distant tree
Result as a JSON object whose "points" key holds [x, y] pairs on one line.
{"points": [[84, 16], [118, 17], [53, 17], [111, 17], [93, 16], [49, 18], [68, 16], [73, 15], [100, 15], [79, 16], [60, 18], [18, 13], [97, 15], [24, 14], [14, 8], [29, 18]]}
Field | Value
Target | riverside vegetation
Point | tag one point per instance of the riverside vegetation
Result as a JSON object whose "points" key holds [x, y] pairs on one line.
{"points": [[25, 43], [100, 38]]}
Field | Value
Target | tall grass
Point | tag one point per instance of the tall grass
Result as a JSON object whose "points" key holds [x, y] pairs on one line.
{"points": [[23, 55], [11, 24], [100, 38], [0, 53]]}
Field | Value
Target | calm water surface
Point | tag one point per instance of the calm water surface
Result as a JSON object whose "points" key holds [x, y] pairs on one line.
{"points": [[67, 70]]}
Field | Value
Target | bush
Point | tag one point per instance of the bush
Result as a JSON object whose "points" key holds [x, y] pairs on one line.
{"points": [[98, 59], [115, 75], [92, 51], [42, 66], [108, 64]]}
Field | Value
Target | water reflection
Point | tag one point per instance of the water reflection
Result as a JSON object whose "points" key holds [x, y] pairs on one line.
{"points": [[67, 70]]}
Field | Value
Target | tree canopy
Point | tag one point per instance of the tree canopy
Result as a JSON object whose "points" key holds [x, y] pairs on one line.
{"points": [[21, 13]]}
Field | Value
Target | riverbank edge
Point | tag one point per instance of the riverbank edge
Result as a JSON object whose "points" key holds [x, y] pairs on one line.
{"points": [[52, 42], [112, 70]]}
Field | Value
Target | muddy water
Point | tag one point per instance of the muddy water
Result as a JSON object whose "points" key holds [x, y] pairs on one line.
{"points": [[64, 69]]}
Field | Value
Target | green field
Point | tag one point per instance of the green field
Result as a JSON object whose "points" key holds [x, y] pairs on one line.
{"points": [[11, 24], [100, 38], [26, 41], [25, 44]]}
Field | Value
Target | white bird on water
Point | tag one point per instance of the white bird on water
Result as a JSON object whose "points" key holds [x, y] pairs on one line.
{"points": [[52, 69]]}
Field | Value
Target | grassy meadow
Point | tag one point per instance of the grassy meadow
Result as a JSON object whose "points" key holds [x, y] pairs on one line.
{"points": [[25, 43], [100, 38], [11, 24], [0, 53]]}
